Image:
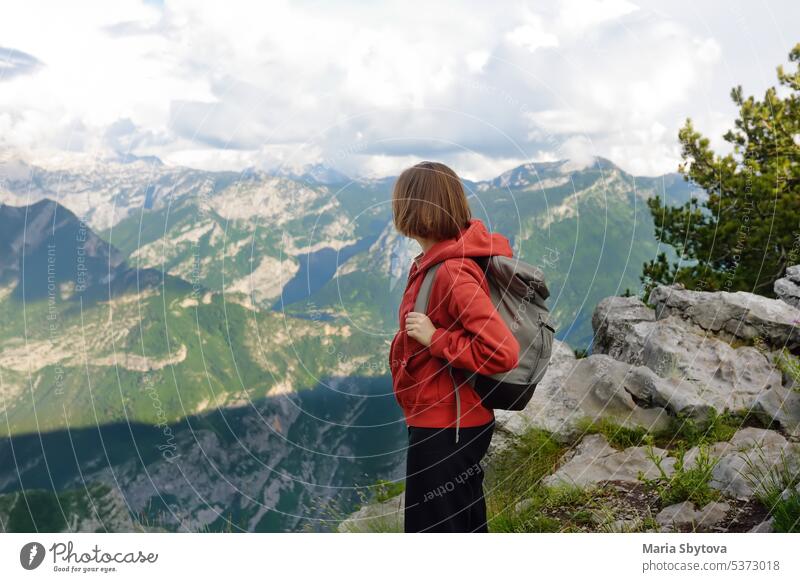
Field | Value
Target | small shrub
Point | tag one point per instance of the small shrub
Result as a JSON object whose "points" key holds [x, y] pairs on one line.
{"points": [[692, 484], [775, 487], [385, 490], [789, 365], [786, 513]]}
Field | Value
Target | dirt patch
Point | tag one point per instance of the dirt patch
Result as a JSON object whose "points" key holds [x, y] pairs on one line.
{"points": [[627, 506]]}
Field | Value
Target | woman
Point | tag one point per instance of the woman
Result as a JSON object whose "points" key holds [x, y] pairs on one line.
{"points": [[460, 332]]}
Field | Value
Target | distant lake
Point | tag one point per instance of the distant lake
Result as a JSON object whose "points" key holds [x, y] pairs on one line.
{"points": [[318, 268]]}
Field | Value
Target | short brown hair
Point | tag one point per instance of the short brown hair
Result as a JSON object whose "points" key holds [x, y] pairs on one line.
{"points": [[428, 201]]}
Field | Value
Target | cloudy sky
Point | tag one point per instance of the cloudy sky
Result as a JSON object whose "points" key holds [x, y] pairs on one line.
{"points": [[369, 89]]}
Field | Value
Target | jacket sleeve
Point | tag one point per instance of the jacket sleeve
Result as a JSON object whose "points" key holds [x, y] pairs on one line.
{"points": [[480, 341]]}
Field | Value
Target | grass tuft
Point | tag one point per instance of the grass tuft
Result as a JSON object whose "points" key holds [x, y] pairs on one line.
{"points": [[775, 485], [684, 484]]}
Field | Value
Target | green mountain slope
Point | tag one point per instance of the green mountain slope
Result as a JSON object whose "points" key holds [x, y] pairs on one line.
{"points": [[119, 344]]}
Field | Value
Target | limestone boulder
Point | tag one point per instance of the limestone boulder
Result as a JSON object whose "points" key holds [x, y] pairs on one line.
{"points": [[594, 460], [705, 372], [612, 322], [587, 390], [740, 315], [782, 405], [787, 289]]}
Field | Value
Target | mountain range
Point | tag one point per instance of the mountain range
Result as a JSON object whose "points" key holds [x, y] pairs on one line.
{"points": [[226, 308]]}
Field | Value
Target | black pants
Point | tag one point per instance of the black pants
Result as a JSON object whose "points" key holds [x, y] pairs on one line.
{"points": [[444, 479]]}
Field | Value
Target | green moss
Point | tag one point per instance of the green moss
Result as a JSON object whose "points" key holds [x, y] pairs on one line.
{"points": [[619, 437]]}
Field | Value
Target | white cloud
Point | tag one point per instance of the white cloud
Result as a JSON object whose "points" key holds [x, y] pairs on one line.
{"points": [[532, 35], [476, 60], [371, 87], [578, 16], [579, 150]]}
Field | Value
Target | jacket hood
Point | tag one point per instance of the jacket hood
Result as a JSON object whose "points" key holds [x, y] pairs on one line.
{"points": [[475, 240]]}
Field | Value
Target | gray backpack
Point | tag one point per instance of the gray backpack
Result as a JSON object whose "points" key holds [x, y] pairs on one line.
{"points": [[518, 291]]}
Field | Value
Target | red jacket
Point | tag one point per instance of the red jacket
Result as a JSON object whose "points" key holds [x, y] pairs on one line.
{"points": [[470, 333]]}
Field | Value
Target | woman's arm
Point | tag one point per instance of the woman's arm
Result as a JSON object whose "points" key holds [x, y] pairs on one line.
{"points": [[481, 341]]}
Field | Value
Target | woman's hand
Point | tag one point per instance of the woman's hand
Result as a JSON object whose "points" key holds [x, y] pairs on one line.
{"points": [[420, 327]]}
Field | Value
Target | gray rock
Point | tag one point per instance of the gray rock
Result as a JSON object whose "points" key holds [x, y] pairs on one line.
{"points": [[793, 273], [748, 459], [706, 372], [524, 505], [594, 460], [612, 321], [625, 525], [787, 291], [709, 370], [740, 315], [781, 405], [789, 492], [605, 388], [674, 394], [788, 288], [765, 526], [376, 517], [685, 514], [588, 389]]}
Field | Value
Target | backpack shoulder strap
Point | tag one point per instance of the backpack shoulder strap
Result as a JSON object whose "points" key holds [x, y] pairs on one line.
{"points": [[483, 263], [424, 295]]}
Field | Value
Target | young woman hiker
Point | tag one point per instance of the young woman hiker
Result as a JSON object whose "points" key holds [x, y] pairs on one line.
{"points": [[433, 352]]}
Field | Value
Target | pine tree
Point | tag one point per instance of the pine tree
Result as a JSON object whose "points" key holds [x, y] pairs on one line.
{"points": [[746, 230]]}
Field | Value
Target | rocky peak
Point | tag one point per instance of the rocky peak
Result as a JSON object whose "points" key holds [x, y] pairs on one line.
{"points": [[52, 246]]}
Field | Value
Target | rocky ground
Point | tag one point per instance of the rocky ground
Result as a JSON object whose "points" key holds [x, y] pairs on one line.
{"points": [[685, 417]]}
